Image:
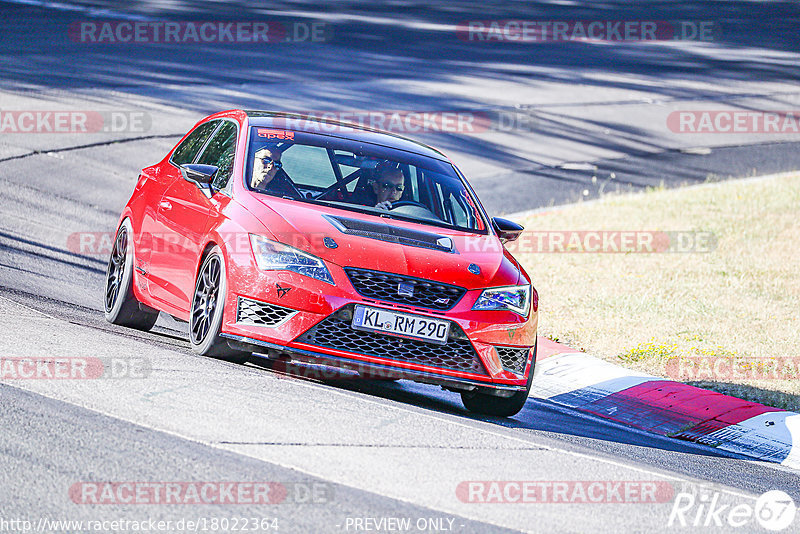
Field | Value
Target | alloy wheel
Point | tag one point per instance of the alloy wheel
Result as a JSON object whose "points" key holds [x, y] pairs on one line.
{"points": [[116, 268], [205, 299]]}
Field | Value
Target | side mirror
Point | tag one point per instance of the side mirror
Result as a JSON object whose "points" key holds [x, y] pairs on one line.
{"points": [[200, 175], [506, 230]]}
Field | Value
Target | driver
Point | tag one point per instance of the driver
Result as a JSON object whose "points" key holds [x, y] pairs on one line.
{"points": [[268, 174], [388, 184]]}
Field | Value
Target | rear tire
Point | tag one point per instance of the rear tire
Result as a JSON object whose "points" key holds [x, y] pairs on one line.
{"points": [[479, 402], [208, 304], [121, 307]]}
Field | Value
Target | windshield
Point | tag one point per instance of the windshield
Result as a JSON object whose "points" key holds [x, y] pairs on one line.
{"points": [[355, 176]]}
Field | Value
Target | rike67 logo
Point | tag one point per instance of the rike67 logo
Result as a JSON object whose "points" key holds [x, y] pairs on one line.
{"points": [[774, 510]]}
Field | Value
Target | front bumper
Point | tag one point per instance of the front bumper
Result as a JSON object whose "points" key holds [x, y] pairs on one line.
{"points": [[371, 369], [308, 320]]}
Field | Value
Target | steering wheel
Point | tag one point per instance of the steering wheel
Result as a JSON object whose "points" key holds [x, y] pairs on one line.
{"points": [[403, 203]]}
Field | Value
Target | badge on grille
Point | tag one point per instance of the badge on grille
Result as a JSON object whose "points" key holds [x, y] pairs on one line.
{"points": [[405, 290]]}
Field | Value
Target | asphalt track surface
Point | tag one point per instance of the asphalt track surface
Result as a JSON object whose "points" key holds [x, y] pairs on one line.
{"points": [[377, 450]]}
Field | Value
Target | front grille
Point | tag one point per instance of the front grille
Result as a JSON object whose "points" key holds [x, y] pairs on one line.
{"points": [[253, 312], [386, 286], [335, 332], [513, 358]]}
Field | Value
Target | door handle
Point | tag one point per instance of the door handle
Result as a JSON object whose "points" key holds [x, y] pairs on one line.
{"points": [[165, 205]]}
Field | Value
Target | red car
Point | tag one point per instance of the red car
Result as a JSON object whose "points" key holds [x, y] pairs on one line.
{"points": [[323, 242]]}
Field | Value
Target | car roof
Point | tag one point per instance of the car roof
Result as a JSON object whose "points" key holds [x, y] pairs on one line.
{"points": [[351, 131]]}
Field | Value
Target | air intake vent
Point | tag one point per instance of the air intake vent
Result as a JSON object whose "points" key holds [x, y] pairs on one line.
{"points": [[255, 313], [391, 234], [513, 358]]}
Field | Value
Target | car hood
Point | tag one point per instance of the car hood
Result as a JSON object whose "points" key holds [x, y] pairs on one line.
{"points": [[390, 245]]}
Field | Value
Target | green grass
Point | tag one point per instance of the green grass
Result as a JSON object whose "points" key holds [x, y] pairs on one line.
{"points": [[739, 302]]}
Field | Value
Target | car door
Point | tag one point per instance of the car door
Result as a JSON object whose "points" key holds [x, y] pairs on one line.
{"points": [[181, 218], [152, 229]]}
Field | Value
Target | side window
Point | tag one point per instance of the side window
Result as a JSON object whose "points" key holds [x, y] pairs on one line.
{"points": [[220, 152], [190, 146]]}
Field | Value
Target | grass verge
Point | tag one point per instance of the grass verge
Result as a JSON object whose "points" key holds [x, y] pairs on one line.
{"points": [[724, 316]]}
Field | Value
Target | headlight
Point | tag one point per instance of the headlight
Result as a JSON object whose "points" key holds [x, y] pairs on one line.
{"points": [[513, 298], [274, 256]]}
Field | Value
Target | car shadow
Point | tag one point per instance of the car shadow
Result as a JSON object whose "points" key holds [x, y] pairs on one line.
{"points": [[540, 415]]}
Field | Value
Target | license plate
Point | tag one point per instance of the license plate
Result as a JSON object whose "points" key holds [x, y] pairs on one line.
{"points": [[400, 324]]}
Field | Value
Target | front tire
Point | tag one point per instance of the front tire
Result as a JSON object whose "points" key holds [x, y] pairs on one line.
{"points": [[487, 404], [121, 307], [208, 303]]}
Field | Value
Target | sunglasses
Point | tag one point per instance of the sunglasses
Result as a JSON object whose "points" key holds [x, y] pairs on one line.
{"points": [[276, 164], [390, 186]]}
